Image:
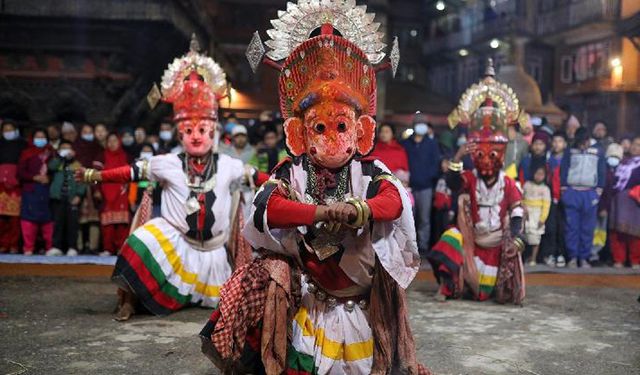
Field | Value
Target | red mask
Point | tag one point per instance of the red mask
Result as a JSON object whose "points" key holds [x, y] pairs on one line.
{"points": [[488, 158]]}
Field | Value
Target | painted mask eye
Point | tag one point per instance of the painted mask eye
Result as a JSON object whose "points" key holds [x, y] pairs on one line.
{"points": [[189, 130], [493, 155], [479, 154], [342, 127], [319, 128]]}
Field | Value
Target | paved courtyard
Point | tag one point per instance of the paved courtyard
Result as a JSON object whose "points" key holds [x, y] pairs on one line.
{"points": [[54, 325]]}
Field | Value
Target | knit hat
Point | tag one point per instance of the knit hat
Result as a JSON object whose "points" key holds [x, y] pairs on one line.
{"points": [[615, 150], [541, 136], [420, 118]]}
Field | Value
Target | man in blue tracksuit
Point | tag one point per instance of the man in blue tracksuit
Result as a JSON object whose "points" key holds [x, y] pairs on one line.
{"points": [[424, 166], [582, 177]]}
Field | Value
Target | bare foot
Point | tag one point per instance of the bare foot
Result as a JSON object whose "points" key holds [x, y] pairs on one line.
{"points": [[439, 296], [125, 312]]}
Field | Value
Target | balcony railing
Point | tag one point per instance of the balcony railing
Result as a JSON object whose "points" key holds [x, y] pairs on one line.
{"points": [[577, 14], [516, 21]]}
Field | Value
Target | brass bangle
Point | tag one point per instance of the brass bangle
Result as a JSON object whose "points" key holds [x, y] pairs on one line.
{"points": [[363, 211], [144, 170], [455, 166], [88, 175], [519, 244]]}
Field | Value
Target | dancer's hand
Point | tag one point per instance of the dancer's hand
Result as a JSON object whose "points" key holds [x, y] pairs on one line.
{"points": [[464, 150], [342, 212]]}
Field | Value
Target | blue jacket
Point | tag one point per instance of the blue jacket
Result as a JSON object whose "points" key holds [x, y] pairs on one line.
{"points": [[424, 162], [584, 169]]}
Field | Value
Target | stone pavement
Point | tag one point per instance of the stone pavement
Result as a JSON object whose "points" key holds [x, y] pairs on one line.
{"points": [[55, 325]]}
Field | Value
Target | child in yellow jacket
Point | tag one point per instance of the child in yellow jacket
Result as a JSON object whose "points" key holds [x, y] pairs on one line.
{"points": [[537, 200]]}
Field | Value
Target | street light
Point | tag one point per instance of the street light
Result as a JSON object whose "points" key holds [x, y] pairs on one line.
{"points": [[440, 5], [495, 43], [615, 62], [463, 52]]}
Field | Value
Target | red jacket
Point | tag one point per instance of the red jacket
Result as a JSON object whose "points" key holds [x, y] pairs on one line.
{"points": [[392, 154]]}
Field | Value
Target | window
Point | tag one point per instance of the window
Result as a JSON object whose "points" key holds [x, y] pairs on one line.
{"points": [[534, 68], [566, 69]]}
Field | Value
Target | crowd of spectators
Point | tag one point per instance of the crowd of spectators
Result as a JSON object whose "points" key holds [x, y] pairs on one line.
{"points": [[581, 187]]}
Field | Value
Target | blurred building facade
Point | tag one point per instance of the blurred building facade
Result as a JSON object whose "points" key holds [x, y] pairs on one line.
{"points": [[580, 55], [96, 60]]}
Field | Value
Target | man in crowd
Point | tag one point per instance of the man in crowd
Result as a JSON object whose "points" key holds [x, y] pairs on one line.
{"points": [[269, 155], [101, 132], [53, 132], [69, 132], [600, 137], [582, 175], [424, 168], [240, 147]]}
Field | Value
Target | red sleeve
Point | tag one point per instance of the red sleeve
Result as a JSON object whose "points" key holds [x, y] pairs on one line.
{"points": [[386, 205], [285, 213], [260, 178], [120, 174]]}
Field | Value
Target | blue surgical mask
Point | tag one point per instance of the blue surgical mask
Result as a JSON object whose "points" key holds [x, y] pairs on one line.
{"points": [[421, 129], [166, 135], [10, 135], [461, 141], [88, 137], [39, 142], [613, 161]]}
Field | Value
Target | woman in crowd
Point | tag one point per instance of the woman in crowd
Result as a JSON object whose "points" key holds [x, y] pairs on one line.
{"points": [[34, 212], [624, 211], [11, 146], [114, 213], [391, 153]]}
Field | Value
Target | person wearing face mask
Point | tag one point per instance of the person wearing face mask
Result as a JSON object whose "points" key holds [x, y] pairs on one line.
{"points": [[66, 195], [128, 143], [90, 154], [424, 168], [140, 136], [35, 216], [11, 146], [53, 132], [167, 143]]}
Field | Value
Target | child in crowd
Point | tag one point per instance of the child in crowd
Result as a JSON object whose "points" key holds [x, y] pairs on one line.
{"points": [[552, 245], [537, 200], [66, 195], [35, 215], [114, 212], [582, 175], [535, 159]]}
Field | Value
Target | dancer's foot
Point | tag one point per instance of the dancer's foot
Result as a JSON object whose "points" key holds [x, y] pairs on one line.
{"points": [[125, 312]]}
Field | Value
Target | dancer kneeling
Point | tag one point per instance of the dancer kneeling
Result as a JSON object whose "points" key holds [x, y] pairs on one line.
{"points": [[335, 230], [481, 257], [180, 258]]}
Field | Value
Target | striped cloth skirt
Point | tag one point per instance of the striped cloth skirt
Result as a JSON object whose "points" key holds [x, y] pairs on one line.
{"points": [[329, 340], [447, 258], [166, 272]]}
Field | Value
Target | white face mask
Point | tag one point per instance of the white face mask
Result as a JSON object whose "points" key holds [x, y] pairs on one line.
{"points": [[146, 155], [64, 153], [613, 162], [88, 137], [461, 141], [155, 145], [421, 129], [127, 141], [10, 135], [166, 135]]}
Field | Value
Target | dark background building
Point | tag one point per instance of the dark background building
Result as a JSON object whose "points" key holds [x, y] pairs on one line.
{"points": [[95, 60]]}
